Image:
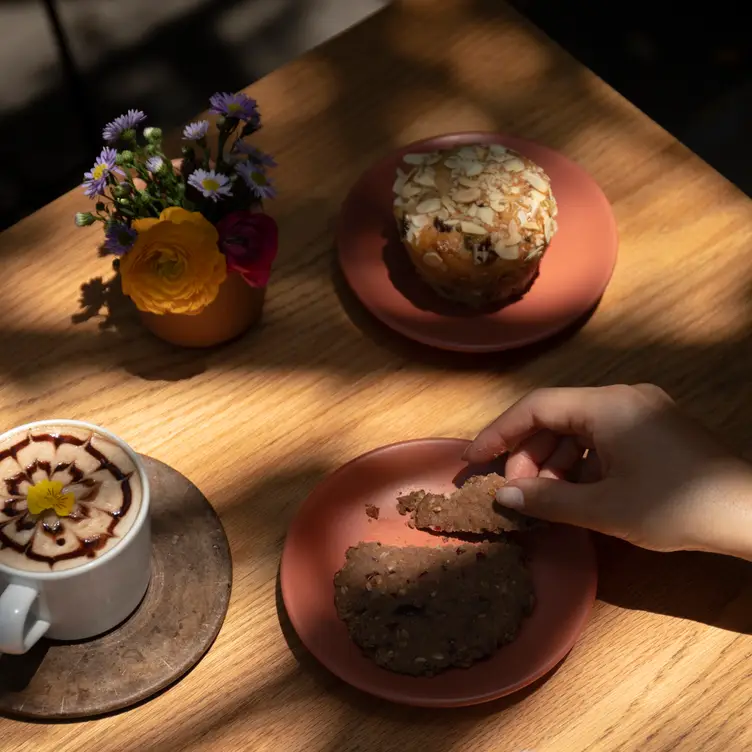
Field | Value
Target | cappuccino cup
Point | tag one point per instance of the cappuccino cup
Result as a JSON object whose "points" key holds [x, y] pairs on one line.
{"points": [[75, 538]]}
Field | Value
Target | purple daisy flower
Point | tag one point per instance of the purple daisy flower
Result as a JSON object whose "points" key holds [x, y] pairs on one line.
{"points": [[119, 238], [254, 154], [255, 179], [154, 164], [114, 130], [195, 131], [237, 106], [212, 184], [95, 181]]}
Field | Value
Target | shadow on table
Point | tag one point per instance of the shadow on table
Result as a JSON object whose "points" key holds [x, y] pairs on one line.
{"points": [[496, 362], [699, 587], [703, 376], [704, 588], [16, 672], [121, 332], [370, 705]]}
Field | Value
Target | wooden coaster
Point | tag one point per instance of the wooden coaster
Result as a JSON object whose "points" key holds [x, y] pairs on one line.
{"points": [[170, 631]]}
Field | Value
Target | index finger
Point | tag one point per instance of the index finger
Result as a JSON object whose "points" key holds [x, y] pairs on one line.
{"points": [[566, 411]]}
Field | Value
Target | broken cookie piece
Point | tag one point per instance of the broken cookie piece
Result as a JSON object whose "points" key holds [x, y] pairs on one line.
{"points": [[470, 509], [419, 610], [372, 512]]}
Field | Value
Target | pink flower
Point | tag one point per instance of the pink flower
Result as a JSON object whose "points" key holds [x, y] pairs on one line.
{"points": [[249, 241]]}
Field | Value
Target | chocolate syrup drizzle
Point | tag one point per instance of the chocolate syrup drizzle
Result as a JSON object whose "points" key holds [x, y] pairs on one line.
{"points": [[57, 529]]}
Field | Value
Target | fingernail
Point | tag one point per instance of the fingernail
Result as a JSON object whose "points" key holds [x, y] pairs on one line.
{"points": [[510, 496], [484, 449]]}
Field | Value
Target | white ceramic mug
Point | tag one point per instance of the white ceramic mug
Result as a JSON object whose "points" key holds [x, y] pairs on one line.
{"points": [[85, 600]]}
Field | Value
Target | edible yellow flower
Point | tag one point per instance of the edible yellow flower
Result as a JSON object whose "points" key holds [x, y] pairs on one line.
{"points": [[175, 265], [48, 494]]}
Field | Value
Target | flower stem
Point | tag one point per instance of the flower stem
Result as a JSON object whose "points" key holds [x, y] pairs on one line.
{"points": [[224, 133]]}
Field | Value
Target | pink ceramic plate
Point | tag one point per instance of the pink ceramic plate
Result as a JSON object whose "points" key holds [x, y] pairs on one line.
{"points": [[573, 275], [333, 518]]}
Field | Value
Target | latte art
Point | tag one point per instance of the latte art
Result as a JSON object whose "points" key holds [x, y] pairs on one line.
{"points": [[67, 495]]}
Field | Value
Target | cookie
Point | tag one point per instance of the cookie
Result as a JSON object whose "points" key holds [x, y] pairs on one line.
{"points": [[372, 512], [420, 610], [470, 509]]}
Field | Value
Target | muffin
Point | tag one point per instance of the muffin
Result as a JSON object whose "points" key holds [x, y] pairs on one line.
{"points": [[475, 220]]}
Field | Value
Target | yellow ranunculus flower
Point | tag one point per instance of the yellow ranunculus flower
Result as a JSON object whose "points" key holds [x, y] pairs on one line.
{"points": [[175, 265]]}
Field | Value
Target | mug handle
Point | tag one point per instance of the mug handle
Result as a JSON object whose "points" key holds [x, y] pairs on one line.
{"points": [[15, 604]]}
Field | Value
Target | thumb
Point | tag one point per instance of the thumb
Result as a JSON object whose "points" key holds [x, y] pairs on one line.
{"points": [[555, 500]]}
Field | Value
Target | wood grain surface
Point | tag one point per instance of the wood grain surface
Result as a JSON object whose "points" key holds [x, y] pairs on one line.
{"points": [[666, 660]]}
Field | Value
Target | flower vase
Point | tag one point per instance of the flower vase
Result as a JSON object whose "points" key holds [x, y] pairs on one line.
{"points": [[237, 307]]}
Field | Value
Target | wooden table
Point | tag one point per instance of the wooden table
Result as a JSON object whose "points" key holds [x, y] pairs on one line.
{"points": [[666, 659]]}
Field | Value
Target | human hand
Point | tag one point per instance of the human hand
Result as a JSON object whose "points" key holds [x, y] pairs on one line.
{"points": [[624, 461]]}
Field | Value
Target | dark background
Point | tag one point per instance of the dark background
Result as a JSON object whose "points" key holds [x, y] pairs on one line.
{"points": [[71, 65]]}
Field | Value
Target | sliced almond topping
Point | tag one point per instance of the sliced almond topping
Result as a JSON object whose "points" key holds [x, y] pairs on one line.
{"points": [[472, 210], [472, 229], [452, 162], [432, 158], [442, 214], [466, 195], [409, 190], [529, 225], [548, 229], [400, 181], [514, 235], [509, 252], [448, 203], [521, 216], [467, 182], [399, 202], [486, 214], [429, 206], [473, 168], [496, 200], [514, 165], [468, 153], [497, 149], [416, 159], [433, 260], [537, 196], [426, 178], [421, 220], [452, 222], [535, 180]]}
